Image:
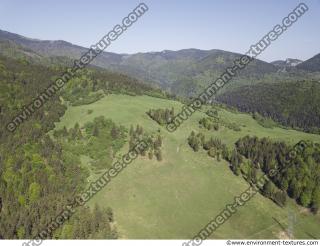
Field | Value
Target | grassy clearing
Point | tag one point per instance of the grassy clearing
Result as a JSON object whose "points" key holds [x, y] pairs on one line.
{"points": [[175, 198]]}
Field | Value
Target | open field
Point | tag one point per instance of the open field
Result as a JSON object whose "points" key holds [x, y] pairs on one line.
{"points": [[178, 196]]}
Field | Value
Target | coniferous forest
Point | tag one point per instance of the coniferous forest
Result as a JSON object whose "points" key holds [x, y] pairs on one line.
{"points": [[294, 105]]}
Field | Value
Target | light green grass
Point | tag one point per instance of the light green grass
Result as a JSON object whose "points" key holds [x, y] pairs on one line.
{"points": [[175, 198]]}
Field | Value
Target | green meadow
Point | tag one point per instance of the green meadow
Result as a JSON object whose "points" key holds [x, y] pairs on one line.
{"points": [[178, 196]]}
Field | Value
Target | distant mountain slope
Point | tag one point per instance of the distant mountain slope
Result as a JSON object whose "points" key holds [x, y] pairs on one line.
{"points": [[162, 67], [289, 62], [312, 64], [184, 72], [58, 48], [13, 50], [291, 104]]}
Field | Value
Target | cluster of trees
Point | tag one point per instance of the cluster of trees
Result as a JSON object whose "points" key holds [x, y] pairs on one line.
{"points": [[86, 223], [74, 133], [299, 177], [209, 123], [99, 139], [214, 123], [102, 127], [154, 142], [212, 113], [274, 193], [162, 116], [213, 146], [252, 174], [264, 121], [235, 159], [292, 104], [90, 85], [196, 141], [37, 176]]}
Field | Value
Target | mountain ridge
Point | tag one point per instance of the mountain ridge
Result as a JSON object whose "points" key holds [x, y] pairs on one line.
{"points": [[312, 64], [183, 72]]}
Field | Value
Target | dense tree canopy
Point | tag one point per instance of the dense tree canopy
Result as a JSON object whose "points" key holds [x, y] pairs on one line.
{"points": [[291, 104]]}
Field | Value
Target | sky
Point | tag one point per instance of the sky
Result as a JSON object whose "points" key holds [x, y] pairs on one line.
{"points": [[231, 25]]}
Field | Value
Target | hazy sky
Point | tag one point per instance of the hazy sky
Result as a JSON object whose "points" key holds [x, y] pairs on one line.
{"points": [[231, 25]]}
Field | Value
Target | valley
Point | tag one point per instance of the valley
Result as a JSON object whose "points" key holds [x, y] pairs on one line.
{"points": [[174, 198]]}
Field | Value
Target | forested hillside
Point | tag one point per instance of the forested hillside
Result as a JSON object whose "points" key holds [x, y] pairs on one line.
{"points": [[38, 176], [312, 64], [298, 177], [33, 173], [291, 104]]}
